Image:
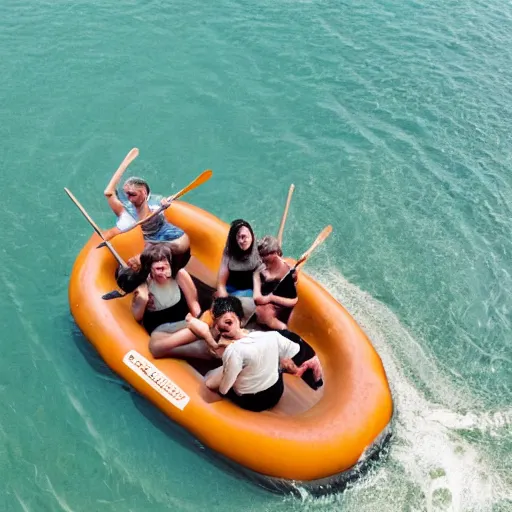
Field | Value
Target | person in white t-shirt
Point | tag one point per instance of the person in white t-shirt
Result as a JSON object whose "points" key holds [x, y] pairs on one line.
{"points": [[250, 375]]}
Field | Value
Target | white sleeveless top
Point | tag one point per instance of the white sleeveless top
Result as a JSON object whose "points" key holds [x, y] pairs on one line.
{"points": [[164, 295]]}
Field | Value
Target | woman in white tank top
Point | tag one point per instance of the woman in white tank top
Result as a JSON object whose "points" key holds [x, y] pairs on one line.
{"points": [[163, 303]]}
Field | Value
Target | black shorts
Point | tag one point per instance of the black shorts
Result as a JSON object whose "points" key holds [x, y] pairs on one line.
{"points": [[306, 352], [260, 401]]}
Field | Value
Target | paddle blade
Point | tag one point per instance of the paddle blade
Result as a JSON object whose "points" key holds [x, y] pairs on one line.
{"points": [[319, 240], [114, 294], [202, 178], [129, 158]]}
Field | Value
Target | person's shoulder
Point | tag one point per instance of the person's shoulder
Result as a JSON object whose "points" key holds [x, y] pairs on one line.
{"points": [[183, 274], [251, 339], [233, 349], [282, 339], [257, 263], [260, 337], [255, 335]]}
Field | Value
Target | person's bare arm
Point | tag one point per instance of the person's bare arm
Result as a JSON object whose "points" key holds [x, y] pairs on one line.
{"points": [[232, 366], [110, 193], [115, 204], [283, 301], [223, 278], [259, 299], [190, 291], [289, 366], [140, 301], [111, 233]]}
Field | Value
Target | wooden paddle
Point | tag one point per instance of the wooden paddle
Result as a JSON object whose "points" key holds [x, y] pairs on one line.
{"points": [[96, 228], [128, 159], [202, 178], [285, 214], [318, 241]]}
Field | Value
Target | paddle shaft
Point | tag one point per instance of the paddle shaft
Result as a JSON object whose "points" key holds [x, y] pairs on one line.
{"points": [[95, 227], [285, 215]]}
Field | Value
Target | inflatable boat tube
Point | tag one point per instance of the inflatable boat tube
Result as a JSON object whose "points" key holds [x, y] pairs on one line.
{"points": [[316, 438]]}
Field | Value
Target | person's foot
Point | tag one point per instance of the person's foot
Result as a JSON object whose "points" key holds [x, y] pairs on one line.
{"points": [[198, 327]]}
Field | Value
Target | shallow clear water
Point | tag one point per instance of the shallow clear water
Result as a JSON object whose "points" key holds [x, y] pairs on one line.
{"points": [[392, 119]]}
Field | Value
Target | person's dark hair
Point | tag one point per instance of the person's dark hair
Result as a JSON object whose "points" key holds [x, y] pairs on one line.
{"points": [[153, 253], [230, 304], [129, 280], [138, 182], [232, 247]]}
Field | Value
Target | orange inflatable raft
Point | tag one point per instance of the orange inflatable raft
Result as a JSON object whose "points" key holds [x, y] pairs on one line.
{"points": [[316, 438]]}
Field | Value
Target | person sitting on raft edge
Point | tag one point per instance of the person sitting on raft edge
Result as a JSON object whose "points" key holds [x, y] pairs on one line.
{"points": [[250, 375], [136, 206], [275, 292]]}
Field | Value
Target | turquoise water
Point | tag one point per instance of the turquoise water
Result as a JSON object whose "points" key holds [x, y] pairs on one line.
{"points": [[393, 121]]}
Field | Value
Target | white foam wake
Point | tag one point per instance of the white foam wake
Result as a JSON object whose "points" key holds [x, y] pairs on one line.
{"points": [[431, 465]]}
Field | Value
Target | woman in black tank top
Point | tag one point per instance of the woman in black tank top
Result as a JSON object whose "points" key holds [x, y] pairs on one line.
{"points": [[275, 293]]}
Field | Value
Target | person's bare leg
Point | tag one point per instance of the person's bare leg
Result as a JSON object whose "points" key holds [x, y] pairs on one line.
{"points": [[275, 324], [266, 315], [180, 245], [161, 344], [196, 350], [198, 327]]}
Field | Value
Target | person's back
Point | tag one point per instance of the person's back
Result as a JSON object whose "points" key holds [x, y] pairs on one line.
{"points": [[258, 355], [250, 374]]}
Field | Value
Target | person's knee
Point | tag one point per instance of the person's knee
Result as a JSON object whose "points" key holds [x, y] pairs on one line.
{"points": [[181, 245], [155, 350], [156, 347], [264, 313]]}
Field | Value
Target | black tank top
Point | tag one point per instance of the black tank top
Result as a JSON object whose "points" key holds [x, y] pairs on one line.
{"points": [[152, 319], [240, 279], [285, 289]]}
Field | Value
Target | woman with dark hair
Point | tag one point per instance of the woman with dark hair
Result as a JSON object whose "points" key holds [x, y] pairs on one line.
{"points": [[162, 303], [275, 293], [239, 261]]}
